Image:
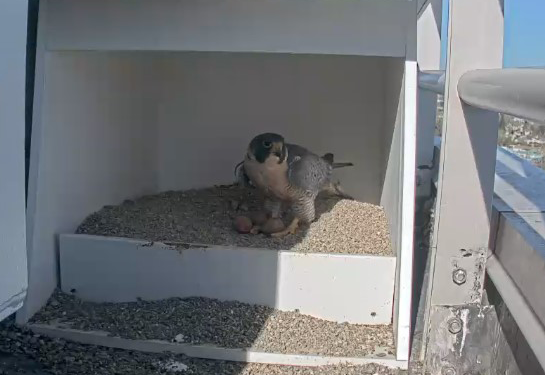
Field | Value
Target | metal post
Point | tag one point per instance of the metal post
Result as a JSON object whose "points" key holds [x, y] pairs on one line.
{"points": [[456, 322]]}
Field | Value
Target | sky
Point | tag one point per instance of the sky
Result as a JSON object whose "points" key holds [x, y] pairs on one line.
{"points": [[524, 34]]}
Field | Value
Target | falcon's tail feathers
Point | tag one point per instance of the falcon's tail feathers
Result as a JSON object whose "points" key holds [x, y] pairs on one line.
{"points": [[237, 167], [330, 158], [241, 178], [341, 165], [336, 190]]}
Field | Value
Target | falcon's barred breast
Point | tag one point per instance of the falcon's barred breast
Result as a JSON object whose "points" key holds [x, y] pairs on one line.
{"points": [[288, 173]]}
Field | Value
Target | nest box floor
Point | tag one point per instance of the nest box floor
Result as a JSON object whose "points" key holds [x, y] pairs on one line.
{"points": [[58, 356], [229, 324], [205, 216]]}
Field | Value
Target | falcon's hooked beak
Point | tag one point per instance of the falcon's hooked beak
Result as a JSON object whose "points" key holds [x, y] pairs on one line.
{"points": [[267, 145], [279, 150]]}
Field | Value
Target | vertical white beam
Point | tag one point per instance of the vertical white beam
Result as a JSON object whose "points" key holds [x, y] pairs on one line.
{"points": [[465, 189], [408, 172], [407, 212], [468, 156], [429, 35], [13, 268]]}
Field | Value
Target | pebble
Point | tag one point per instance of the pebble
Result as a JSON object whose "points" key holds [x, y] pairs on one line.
{"points": [[234, 205], [95, 360], [204, 321], [175, 366], [206, 216], [350, 227], [179, 338]]}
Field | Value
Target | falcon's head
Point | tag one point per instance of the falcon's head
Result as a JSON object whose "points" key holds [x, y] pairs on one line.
{"points": [[267, 145]]}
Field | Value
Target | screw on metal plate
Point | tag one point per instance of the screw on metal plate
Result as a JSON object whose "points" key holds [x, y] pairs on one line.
{"points": [[459, 276], [454, 325], [448, 370]]}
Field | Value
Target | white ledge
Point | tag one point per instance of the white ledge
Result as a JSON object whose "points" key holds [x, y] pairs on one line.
{"points": [[208, 351]]}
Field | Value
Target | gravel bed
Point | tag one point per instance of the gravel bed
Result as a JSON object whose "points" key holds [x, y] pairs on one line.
{"points": [[206, 216], [67, 358], [350, 227], [224, 324]]}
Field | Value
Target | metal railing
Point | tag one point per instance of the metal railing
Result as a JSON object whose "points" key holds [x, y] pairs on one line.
{"points": [[516, 92], [520, 93], [432, 80]]}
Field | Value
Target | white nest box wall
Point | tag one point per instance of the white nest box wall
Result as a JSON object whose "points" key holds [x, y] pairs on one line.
{"points": [[141, 96]]}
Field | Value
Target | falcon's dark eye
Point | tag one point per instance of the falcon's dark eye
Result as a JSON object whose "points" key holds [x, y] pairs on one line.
{"points": [[267, 144]]}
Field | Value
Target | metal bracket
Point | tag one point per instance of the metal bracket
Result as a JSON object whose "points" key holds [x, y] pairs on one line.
{"points": [[461, 339], [461, 279]]}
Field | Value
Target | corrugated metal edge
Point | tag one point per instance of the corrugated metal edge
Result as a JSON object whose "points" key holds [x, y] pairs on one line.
{"points": [[526, 320]]}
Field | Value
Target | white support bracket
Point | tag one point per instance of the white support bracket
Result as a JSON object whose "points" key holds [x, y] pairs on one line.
{"points": [[465, 186]]}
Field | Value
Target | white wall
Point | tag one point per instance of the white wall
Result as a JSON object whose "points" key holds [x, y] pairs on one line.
{"points": [[93, 144], [351, 27], [13, 267], [392, 93], [213, 104], [391, 198]]}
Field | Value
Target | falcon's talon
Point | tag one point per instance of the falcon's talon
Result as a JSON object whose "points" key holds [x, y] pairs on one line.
{"points": [[281, 234], [291, 229]]}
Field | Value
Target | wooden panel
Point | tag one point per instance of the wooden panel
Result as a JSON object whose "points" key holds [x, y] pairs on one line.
{"points": [[342, 288]]}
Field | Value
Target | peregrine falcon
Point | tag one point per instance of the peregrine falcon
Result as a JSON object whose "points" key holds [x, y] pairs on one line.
{"points": [[288, 173]]}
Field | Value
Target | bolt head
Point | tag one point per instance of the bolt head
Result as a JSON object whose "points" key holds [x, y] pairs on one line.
{"points": [[459, 276], [448, 370], [455, 325]]}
